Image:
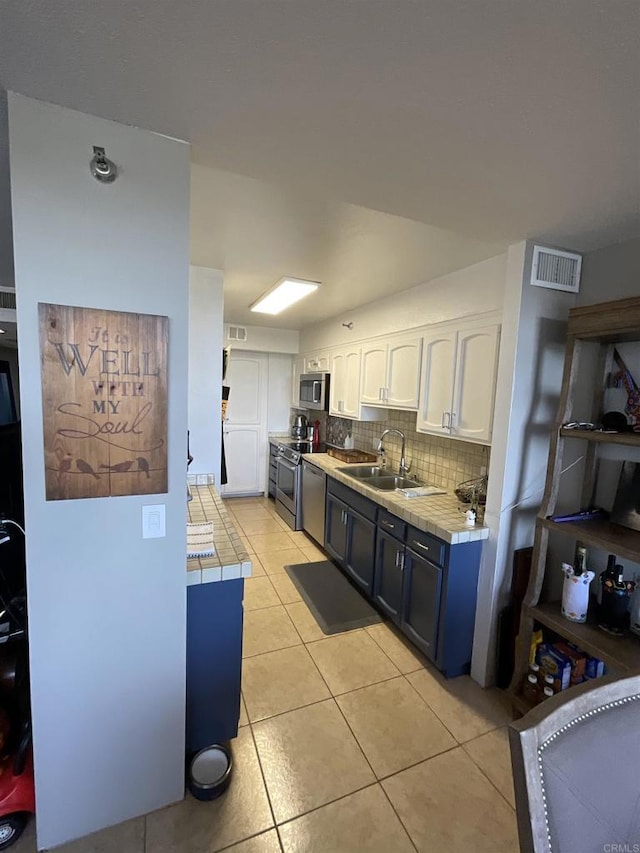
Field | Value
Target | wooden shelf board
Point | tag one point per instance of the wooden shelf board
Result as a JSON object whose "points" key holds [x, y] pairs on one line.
{"points": [[600, 533], [519, 703], [631, 439], [619, 653]]}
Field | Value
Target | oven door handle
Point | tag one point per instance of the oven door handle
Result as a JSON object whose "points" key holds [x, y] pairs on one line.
{"points": [[317, 384]]}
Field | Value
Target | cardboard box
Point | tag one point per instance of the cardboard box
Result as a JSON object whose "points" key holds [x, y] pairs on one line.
{"points": [[556, 664], [578, 660]]}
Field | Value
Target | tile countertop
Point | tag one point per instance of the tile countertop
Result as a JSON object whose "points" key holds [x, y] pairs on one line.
{"points": [[230, 561], [440, 515]]}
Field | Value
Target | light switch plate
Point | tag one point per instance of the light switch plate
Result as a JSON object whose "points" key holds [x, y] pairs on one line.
{"points": [[153, 521]]}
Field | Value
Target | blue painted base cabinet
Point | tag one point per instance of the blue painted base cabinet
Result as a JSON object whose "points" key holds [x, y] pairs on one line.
{"points": [[426, 586], [214, 661]]}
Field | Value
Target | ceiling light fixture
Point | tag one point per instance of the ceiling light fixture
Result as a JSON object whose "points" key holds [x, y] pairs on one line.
{"points": [[284, 294], [1, 331]]}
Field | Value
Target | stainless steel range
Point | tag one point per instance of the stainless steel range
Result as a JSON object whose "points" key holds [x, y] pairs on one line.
{"points": [[289, 479]]}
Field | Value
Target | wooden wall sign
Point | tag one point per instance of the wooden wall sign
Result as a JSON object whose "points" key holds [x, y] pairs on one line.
{"points": [[104, 401]]}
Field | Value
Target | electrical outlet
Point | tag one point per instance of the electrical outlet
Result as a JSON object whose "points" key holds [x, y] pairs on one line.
{"points": [[153, 521]]}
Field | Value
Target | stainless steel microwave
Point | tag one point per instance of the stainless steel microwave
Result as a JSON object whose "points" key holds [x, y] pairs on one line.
{"points": [[314, 391]]}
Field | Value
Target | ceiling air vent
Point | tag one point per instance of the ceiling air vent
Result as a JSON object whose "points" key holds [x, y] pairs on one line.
{"points": [[237, 333], [555, 269], [7, 298]]}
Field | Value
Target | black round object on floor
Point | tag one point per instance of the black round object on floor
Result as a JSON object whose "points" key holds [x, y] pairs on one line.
{"points": [[209, 772]]}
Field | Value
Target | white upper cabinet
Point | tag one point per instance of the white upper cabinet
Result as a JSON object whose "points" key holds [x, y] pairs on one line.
{"points": [[459, 369], [438, 375], [345, 383], [475, 386], [391, 373], [317, 363]]}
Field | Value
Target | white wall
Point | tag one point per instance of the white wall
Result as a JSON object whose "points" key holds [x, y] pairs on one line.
{"points": [[264, 339], [106, 608], [469, 291], [6, 244], [611, 273], [205, 370], [534, 324]]}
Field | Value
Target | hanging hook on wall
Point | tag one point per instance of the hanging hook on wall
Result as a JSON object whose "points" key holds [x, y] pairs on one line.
{"points": [[102, 169], [348, 325]]}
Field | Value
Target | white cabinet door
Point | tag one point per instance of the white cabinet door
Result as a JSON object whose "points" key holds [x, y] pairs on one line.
{"points": [[402, 387], [317, 363], [476, 365], [374, 374], [336, 394], [351, 384], [438, 375], [296, 372]]}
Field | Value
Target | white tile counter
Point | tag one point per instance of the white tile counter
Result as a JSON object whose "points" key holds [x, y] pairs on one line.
{"points": [[440, 515], [230, 560]]}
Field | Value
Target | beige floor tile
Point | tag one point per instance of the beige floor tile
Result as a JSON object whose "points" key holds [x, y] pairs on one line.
{"points": [[281, 681], [305, 622], [446, 803], [363, 822], [349, 661], [194, 827], [393, 725], [251, 526], [267, 543], [286, 589], [492, 755], [465, 708], [246, 543], [300, 539], [257, 569], [309, 757], [275, 561], [267, 842], [258, 593], [244, 719], [313, 553], [126, 837], [406, 658], [267, 630]]}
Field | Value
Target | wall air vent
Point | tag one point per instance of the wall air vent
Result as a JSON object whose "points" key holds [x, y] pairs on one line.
{"points": [[7, 298], [555, 269], [237, 333]]}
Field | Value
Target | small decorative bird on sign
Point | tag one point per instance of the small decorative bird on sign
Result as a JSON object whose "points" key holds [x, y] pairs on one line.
{"points": [[143, 465], [85, 468], [119, 467]]}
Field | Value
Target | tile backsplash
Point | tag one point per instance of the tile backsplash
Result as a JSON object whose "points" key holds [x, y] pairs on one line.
{"points": [[446, 462]]}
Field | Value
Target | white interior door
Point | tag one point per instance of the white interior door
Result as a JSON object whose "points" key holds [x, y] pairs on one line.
{"points": [[438, 373], [245, 430]]}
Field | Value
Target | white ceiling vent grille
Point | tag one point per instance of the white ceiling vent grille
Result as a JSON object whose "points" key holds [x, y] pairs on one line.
{"points": [[237, 333], [555, 269], [7, 298]]}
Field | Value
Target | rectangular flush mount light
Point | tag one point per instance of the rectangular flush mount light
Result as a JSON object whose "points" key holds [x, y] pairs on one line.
{"points": [[283, 294]]}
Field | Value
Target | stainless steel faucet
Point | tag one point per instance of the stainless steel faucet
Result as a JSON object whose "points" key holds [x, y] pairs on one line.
{"points": [[405, 467]]}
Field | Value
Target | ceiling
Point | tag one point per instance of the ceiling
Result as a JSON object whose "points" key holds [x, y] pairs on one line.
{"points": [[492, 120]]}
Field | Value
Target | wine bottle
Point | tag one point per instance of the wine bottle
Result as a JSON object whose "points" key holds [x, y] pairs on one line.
{"points": [[580, 560]]}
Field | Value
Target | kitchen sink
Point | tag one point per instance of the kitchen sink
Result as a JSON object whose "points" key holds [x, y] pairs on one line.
{"points": [[364, 472], [380, 478]]}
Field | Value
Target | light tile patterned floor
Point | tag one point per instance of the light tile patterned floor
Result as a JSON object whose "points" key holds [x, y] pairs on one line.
{"points": [[348, 744]]}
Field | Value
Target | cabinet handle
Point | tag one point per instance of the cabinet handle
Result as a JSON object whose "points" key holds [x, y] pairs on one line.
{"points": [[344, 516], [388, 525], [402, 556], [420, 545], [451, 417], [398, 553], [380, 390], [386, 394]]}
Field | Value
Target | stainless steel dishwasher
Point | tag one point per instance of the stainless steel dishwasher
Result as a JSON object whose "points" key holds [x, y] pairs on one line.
{"points": [[314, 486]]}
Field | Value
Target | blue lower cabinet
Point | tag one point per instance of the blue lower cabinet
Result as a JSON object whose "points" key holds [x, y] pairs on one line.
{"points": [[214, 662], [388, 577], [422, 588], [336, 528], [361, 550]]}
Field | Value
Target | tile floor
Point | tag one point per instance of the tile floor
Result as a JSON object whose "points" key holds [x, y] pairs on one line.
{"points": [[349, 743]]}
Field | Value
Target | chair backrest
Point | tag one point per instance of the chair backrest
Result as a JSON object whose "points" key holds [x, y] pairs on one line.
{"points": [[576, 769]]}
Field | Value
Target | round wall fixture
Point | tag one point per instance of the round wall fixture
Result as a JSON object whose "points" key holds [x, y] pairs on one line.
{"points": [[102, 169], [209, 772]]}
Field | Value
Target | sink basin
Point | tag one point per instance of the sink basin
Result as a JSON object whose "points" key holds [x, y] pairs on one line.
{"points": [[389, 483], [364, 472]]}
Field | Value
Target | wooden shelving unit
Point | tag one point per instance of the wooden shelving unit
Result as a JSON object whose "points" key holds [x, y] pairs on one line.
{"points": [[600, 326]]}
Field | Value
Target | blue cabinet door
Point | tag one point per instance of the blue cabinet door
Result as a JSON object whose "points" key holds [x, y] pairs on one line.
{"points": [[361, 551], [421, 603], [388, 575], [336, 529]]}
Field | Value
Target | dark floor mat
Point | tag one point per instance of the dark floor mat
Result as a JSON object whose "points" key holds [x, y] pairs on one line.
{"points": [[336, 604]]}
